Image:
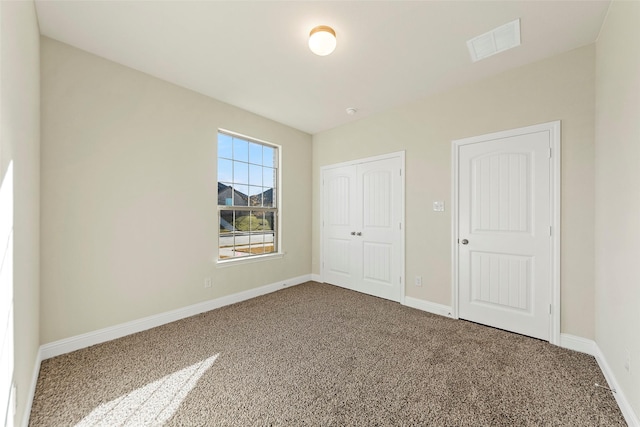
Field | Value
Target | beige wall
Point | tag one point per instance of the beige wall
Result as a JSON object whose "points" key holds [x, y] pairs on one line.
{"points": [[20, 144], [129, 225], [617, 184], [558, 88]]}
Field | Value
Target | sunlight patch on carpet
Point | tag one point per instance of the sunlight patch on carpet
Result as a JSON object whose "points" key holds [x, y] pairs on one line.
{"points": [[152, 404]]}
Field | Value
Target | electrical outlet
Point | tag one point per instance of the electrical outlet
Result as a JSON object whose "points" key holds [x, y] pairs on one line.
{"points": [[207, 282], [627, 360], [418, 281]]}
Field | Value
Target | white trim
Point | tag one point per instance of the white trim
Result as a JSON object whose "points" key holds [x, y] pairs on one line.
{"points": [[113, 332], [363, 160], [554, 129], [454, 230], [582, 345], [32, 388], [317, 278], [428, 306], [247, 260], [623, 403], [402, 156], [556, 221], [403, 277], [590, 347]]}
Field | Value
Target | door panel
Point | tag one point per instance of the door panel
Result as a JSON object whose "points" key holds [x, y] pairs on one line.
{"points": [[504, 214], [501, 192], [377, 262], [377, 194], [338, 251], [501, 280]]}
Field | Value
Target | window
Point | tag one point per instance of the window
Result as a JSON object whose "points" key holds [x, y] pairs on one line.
{"points": [[247, 202]]}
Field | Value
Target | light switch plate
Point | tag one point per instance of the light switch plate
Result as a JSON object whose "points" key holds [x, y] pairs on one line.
{"points": [[438, 206]]}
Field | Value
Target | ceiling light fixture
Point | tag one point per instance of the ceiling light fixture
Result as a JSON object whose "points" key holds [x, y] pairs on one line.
{"points": [[322, 40]]}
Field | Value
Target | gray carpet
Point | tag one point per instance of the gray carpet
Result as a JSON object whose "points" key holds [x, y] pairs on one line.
{"points": [[319, 355]]}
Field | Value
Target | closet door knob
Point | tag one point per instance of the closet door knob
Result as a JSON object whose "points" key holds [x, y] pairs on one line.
{"points": [[464, 242], [353, 233], [358, 234]]}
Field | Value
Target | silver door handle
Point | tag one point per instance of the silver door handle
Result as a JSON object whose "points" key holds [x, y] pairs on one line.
{"points": [[358, 234], [353, 233], [464, 242]]}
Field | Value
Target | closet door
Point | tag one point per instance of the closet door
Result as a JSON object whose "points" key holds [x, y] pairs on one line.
{"points": [[378, 245], [362, 215], [339, 202]]}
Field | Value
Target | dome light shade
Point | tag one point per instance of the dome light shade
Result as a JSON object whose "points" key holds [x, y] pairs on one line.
{"points": [[322, 40]]}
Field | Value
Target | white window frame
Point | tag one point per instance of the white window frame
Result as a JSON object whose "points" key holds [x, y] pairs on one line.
{"points": [[224, 262]]}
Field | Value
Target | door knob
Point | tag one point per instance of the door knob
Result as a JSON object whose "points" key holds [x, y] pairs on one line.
{"points": [[358, 234], [464, 242], [353, 233]]}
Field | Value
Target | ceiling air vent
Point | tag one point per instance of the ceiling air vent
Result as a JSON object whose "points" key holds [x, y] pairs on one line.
{"points": [[495, 41]]}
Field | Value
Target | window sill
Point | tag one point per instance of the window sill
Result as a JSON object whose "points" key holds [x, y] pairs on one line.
{"points": [[248, 260]]}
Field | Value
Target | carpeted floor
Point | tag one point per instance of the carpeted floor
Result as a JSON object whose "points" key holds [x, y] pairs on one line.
{"points": [[319, 355]]}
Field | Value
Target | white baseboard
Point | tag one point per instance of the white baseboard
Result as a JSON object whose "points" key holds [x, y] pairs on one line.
{"points": [[431, 307], [580, 344], [630, 416], [32, 389], [587, 346], [316, 278], [78, 342]]}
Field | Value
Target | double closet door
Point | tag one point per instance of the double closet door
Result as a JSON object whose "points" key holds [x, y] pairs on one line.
{"points": [[362, 226]]}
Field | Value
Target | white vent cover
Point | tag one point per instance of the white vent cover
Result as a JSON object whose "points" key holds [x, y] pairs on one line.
{"points": [[495, 41]]}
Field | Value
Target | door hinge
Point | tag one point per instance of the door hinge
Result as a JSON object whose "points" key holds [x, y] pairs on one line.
{"points": [[550, 230], [550, 312], [400, 225], [400, 172], [550, 152], [400, 280]]}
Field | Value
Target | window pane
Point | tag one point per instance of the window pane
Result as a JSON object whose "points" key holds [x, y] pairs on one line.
{"points": [[255, 221], [255, 153], [255, 198], [240, 197], [225, 146], [269, 233], [268, 222], [225, 194], [240, 173], [268, 198], [243, 222], [225, 170], [268, 177], [268, 156], [240, 150], [257, 236], [226, 237], [226, 222], [255, 175]]}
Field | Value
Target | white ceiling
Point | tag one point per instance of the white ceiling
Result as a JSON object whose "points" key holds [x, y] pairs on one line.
{"points": [[254, 54]]}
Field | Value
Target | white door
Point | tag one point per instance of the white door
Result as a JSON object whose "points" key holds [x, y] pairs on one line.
{"points": [[339, 216], [504, 232], [362, 209]]}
